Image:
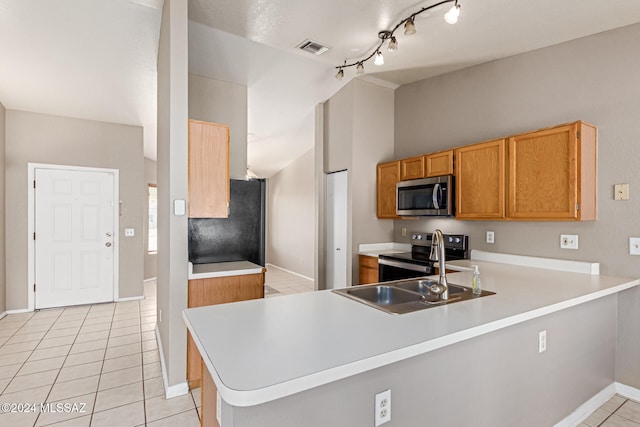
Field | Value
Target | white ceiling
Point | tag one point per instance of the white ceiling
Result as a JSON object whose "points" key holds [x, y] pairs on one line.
{"points": [[96, 59]]}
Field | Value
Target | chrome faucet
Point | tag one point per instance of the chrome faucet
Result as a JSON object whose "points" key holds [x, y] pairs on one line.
{"points": [[437, 254]]}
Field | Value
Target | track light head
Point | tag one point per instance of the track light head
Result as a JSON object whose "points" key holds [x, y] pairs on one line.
{"points": [[340, 74], [452, 15], [379, 58], [360, 68], [393, 44], [409, 27]]}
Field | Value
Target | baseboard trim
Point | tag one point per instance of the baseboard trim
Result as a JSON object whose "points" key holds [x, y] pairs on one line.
{"points": [[130, 299], [176, 390], [2, 315], [628, 391], [289, 271], [151, 279], [587, 408], [19, 311]]}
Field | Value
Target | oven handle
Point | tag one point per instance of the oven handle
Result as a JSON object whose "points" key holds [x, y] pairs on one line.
{"points": [[404, 265]]}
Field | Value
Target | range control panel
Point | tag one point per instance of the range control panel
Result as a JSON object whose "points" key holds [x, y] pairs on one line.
{"points": [[451, 241]]}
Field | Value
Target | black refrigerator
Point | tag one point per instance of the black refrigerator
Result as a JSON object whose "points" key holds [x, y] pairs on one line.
{"points": [[240, 237]]}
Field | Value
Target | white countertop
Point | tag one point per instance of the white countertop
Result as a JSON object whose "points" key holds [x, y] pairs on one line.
{"points": [[222, 269], [375, 249], [261, 350]]}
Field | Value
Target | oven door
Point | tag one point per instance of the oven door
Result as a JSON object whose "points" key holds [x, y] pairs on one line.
{"points": [[389, 270]]}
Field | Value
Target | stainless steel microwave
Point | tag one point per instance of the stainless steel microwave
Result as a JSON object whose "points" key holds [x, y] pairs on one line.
{"points": [[425, 197]]}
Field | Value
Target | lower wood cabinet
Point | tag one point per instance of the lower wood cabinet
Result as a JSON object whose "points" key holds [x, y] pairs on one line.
{"points": [[218, 290], [368, 269]]}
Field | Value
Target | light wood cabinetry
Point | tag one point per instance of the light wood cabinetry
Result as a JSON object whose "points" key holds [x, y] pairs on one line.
{"points": [[388, 174], [208, 170], [218, 290], [368, 269], [480, 180], [412, 168], [552, 174], [438, 164]]}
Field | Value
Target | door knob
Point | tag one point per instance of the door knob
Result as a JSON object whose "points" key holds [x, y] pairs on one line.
{"points": [[108, 244]]}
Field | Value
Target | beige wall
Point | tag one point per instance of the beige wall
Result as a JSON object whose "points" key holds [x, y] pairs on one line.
{"points": [[3, 283], [592, 79], [358, 134], [172, 272], [290, 216], [226, 103], [41, 138], [150, 259]]}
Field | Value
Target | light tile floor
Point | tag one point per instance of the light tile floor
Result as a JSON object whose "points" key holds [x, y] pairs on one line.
{"points": [[617, 412], [284, 283], [100, 362]]}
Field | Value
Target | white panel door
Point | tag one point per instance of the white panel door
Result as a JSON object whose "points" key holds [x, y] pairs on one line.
{"points": [[74, 229], [337, 276]]}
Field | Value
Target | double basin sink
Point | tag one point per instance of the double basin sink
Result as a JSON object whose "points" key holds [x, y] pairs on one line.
{"points": [[406, 296]]}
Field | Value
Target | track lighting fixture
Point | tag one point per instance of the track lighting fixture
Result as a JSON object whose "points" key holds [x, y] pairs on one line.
{"points": [[393, 44], [409, 28], [379, 59], [452, 16]]}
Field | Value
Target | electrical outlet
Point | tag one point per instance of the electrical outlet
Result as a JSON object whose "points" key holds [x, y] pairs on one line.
{"points": [[383, 407], [621, 192], [490, 237], [403, 231], [569, 241], [542, 341], [634, 245]]}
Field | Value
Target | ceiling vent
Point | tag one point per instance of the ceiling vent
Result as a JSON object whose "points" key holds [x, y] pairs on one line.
{"points": [[312, 47]]}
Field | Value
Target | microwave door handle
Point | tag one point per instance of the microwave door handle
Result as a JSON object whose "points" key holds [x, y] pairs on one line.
{"points": [[436, 196]]}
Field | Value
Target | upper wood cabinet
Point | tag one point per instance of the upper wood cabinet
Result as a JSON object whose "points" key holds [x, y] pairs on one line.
{"points": [[412, 168], [480, 180], [552, 174], [388, 174], [438, 164], [208, 170]]}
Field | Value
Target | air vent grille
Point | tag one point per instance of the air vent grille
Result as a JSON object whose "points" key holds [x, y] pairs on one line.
{"points": [[312, 47]]}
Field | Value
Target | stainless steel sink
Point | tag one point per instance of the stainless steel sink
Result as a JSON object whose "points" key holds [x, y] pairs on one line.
{"points": [[406, 296]]}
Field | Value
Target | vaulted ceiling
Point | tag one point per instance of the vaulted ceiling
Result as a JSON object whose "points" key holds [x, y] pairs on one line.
{"points": [[96, 59]]}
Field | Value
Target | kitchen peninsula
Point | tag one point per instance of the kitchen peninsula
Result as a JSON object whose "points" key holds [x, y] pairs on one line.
{"points": [[318, 359]]}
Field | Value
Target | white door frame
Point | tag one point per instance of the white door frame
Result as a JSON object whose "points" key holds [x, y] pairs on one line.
{"points": [[31, 219]]}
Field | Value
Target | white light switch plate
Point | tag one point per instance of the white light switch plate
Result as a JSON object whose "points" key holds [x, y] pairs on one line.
{"points": [[634, 245], [569, 241], [179, 207]]}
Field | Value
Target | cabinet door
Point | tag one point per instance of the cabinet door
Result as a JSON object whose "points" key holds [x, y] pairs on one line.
{"points": [[480, 180], [438, 164], [368, 269], [546, 168], [388, 176], [208, 170], [412, 168]]}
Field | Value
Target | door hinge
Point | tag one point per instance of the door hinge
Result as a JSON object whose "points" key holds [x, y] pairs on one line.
{"points": [[577, 206], [34, 236], [578, 134], [34, 183], [34, 287]]}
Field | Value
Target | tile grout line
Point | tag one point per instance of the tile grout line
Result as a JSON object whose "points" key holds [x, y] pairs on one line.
{"points": [[95, 400]]}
